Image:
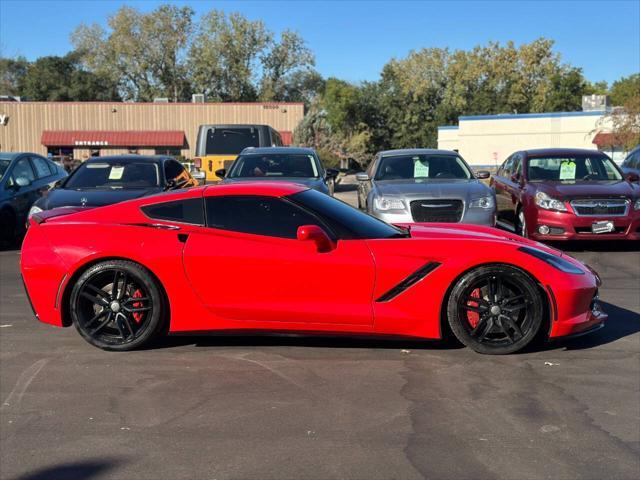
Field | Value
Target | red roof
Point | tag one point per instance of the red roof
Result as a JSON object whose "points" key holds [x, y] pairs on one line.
{"points": [[606, 140], [113, 138], [287, 137]]}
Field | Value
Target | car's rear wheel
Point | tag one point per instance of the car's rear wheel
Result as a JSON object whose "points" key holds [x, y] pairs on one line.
{"points": [[117, 305], [495, 309]]}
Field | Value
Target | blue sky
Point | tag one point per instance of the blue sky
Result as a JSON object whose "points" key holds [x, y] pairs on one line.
{"points": [[353, 40]]}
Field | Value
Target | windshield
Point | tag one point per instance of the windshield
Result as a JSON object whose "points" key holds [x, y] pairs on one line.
{"points": [[424, 167], [4, 164], [346, 221], [569, 168], [115, 176], [231, 141], [275, 165]]}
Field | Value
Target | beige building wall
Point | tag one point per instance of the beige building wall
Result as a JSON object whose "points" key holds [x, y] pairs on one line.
{"points": [[488, 140], [24, 122]]}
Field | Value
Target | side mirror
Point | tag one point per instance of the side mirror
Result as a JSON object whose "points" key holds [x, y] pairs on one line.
{"points": [[317, 235], [331, 173], [220, 173], [517, 178], [23, 182], [362, 177], [632, 177], [483, 174]]}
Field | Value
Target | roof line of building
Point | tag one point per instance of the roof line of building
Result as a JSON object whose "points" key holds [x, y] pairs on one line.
{"points": [[505, 116], [155, 103], [448, 127]]}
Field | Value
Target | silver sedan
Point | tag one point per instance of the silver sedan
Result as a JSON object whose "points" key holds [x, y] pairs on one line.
{"points": [[422, 185]]}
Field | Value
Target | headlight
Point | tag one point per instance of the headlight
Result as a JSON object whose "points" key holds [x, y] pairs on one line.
{"points": [[388, 203], [33, 210], [483, 202], [545, 201], [553, 260], [636, 205]]}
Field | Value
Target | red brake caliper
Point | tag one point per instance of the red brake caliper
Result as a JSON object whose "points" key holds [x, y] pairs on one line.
{"points": [[137, 316], [473, 317]]}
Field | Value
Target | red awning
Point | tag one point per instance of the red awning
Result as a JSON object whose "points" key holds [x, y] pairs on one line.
{"points": [[287, 137], [606, 140], [113, 138]]}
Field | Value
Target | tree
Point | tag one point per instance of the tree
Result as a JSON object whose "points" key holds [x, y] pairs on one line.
{"points": [[625, 89], [625, 122], [12, 72], [63, 79], [143, 52], [224, 55], [283, 60], [301, 86]]}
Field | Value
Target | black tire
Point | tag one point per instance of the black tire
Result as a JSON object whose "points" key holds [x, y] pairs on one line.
{"points": [[8, 228], [495, 309], [117, 305]]}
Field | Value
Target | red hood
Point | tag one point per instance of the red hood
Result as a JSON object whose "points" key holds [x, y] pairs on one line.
{"points": [[588, 188], [471, 232]]}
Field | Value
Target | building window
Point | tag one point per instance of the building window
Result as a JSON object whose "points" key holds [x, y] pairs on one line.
{"points": [[173, 151]]}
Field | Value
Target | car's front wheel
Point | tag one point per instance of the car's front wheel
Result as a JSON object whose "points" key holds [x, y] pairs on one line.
{"points": [[117, 305], [495, 309]]}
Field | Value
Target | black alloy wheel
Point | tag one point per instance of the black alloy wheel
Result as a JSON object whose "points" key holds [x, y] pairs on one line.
{"points": [[117, 305], [495, 309]]}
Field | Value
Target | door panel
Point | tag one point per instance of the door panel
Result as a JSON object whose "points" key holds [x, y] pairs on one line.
{"points": [[259, 278]]}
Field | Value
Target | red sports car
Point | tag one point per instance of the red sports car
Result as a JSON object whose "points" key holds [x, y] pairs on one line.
{"points": [[267, 257]]}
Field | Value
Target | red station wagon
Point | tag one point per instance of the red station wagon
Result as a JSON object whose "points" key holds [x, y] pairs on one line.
{"points": [[566, 194]]}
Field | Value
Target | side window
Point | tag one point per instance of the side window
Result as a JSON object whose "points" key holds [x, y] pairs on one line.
{"points": [[172, 169], [505, 169], [41, 167], [634, 160], [52, 167], [276, 140], [183, 211], [516, 166], [372, 165], [270, 216], [23, 169]]}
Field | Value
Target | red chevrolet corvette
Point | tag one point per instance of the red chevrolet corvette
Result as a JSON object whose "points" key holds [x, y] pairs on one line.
{"points": [[269, 257]]}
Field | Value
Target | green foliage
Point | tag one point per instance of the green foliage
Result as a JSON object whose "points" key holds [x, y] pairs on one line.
{"points": [[144, 53], [224, 56], [12, 72], [434, 86], [164, 53], [625, 89], [64, 79], [284, 59]]}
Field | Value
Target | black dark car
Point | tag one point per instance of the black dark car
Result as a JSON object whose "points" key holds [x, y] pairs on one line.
{"points": [[107, 180], [24, 177]]}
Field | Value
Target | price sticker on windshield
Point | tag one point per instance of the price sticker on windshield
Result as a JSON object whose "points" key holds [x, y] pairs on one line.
{"points": [[568, 170], [420, 169], [116, 173]]}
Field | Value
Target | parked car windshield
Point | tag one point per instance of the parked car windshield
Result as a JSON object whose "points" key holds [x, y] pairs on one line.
{"points": [[346, 221], [424, 167], [569, 168], [4, 164], [116, 176], [227, 141], [290, 165]]}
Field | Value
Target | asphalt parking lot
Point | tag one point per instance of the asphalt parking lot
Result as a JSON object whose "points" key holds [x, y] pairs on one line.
{"points": [[318, 408]]}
